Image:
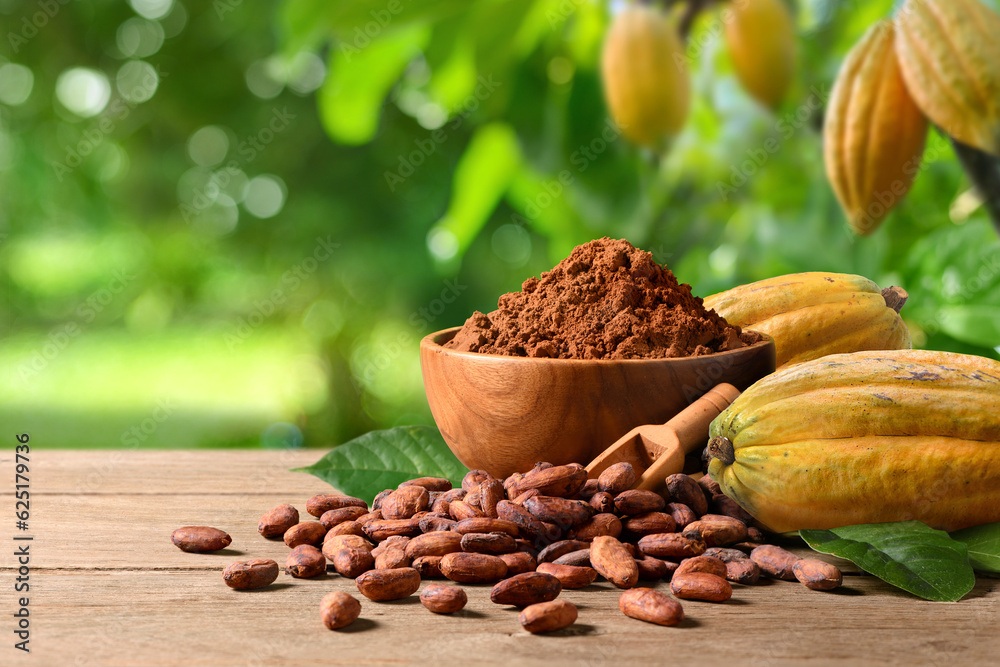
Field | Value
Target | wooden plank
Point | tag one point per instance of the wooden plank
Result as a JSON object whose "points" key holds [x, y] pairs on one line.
{"points": [[144, 618], [223, 472]]}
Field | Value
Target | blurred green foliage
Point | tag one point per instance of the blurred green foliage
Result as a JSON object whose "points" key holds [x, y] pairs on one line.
{"points": [[233, 225]]}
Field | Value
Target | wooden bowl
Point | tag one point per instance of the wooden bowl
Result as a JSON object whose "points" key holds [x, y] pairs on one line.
{"points": [[504, 414]]}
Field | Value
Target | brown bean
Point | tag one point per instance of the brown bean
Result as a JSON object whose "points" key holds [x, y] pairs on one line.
{"points": [[518, 562], [681, 514], [487, 525], [460, 509], [560, 548], [562, 481], [391, 559], [645, 604], [685, 490], [385, 585], [563, 512], [334, 544], [473, 479], [276, 521], [599, 524], [617, 478], [700, 586], [580, 558], [649, 523], [775, 562], [380, 529], [530, 493], [548, 616], [377, 501], [654, 569], [702, 563], [324, 502], [528, 523], [428, 567], [670, 546], [570, 576], [439, 484], [613, 562], [404, 502], [817, 575], [490, 493], [399, 541], [470, 568], [724, 505], [435, 543], [488, 543], [638, 501], [716, 533], [346, 528], [602, 502], [336, 517], [249, 574], [305, 561], [587, 491], [526, 588], [338, 610], [200, 539], [743, 571], [726, 555], [351, 562], [443, 599], [307, 532]]}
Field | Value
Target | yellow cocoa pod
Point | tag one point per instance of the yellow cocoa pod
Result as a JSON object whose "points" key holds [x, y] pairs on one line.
{"points": [[874, 133], [867, 437], [811, 315], [949, 52], [760, 36], [645, 76]]}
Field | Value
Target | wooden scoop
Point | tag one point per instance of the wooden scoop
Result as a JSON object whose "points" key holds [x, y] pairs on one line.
{"points": [[658, 450]]}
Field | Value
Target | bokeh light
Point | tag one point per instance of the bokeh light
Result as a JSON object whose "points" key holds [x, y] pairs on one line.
{"points": [[16, 82], [265, 196], [139, 38], [208, 146], [137, 81], [83, 91], [151, 9]]}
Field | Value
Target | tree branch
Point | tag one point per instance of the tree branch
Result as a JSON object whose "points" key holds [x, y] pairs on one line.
{"points": [[983, 171]]}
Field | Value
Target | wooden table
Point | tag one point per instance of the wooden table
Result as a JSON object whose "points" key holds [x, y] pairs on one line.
{"points": [[109, 588]]}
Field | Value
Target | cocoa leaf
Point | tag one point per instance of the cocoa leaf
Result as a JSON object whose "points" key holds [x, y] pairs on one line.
{"points": [[983, 543], [908, 554], [381, 460]]}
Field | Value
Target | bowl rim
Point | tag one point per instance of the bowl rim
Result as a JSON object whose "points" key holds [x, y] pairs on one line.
{"points": [[428, 342]]}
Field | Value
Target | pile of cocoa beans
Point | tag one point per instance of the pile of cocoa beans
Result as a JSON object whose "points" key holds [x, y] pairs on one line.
{"points": [[531, 535]]}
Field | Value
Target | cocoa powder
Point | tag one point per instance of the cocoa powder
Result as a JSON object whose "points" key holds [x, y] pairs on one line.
{"points": [[607, 300]]}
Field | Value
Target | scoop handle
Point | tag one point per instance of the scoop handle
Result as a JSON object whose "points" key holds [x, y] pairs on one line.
{"points": [[691, 424]]}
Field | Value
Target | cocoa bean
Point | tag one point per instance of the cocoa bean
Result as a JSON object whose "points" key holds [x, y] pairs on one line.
{"points": [[548, 616], [307, 532], [487, 525], [653, 569], [434, 524], [470, 568], [613, 562], [324, 502], [570, 576], [346, 528], [709, 486], [351, 562], [724, 505], [338, 610], [700, 586], [377, 501], [726, 555], [247, 574], [562, 512], [305, 561], [775, 562], [670, 546], [435, 543], [681, 514], [374, 515], [428, 567], [490, 493], [276, 521], [338, 542], [587, 491], [817, 575], [579, 558], [530, 493], [557, 549], [755, 534], [716, 533], [333, 518], [441, 506], [404, 502], [391, 559], [598, 525], [200, 539], [649, 523], [385, 585], [488, 543], [527, 522], [439, 484], [527, 588], [379, 529], [443, 599], [685, 490], [602, 502], [561, 481], [617, 478], [473, 479], [645, 604], [702, 563], [459, 510], [553, 533], [638, 501], [397, 541], [518, 562], [743, 571], [472, 498]]}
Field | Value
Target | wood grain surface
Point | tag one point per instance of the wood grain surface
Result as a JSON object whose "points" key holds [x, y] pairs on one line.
{"points": [[109, 588]]}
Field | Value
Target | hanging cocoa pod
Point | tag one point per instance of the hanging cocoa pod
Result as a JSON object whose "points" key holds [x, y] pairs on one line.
{"points": [[874, 133], [760, 36], [949, 53], [645, 75]]}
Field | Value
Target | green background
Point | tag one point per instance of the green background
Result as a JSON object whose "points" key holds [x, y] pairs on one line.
{"points": [[373, 172]]}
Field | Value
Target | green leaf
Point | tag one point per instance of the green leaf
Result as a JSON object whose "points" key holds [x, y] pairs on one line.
{"points": [[350, 100], [381, 460], [979, 325], [909, 555], [983, 543]]}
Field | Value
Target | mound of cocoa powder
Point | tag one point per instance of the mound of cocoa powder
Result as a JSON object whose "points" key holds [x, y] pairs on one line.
{"points": [[607, 300]]}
